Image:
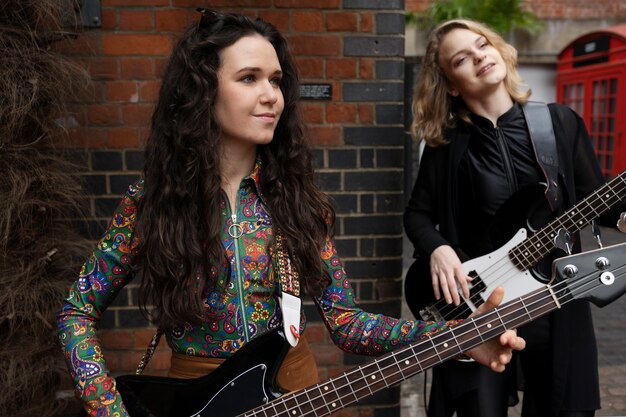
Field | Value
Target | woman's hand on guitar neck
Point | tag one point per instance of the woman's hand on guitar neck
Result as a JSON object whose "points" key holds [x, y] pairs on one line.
{"points": [[447, 275], [496, 353]]}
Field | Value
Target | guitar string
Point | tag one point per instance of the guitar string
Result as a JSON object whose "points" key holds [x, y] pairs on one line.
{"points": [[544, 233], [325, 405], [577, 286], [458, 310], [549, 297]]}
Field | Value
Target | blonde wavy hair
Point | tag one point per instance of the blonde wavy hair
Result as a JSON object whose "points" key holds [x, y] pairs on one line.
{"points": [[433, 108]]}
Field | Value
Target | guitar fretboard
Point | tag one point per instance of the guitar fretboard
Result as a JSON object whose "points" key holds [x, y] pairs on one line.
{"points": [[346, 389], [527, 253]]}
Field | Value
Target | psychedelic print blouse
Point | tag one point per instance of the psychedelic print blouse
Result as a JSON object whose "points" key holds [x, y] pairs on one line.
{"points": [[244, 299]]}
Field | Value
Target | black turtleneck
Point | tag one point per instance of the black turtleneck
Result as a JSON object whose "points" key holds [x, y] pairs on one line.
{"points": [[499, 161]]}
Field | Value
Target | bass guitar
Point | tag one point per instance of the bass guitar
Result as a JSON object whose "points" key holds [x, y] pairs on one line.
{"points": [[245, 385], [521, 264]]}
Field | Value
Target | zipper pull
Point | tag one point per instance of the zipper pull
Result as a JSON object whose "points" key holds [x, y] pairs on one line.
{"points": [[235, 230]]}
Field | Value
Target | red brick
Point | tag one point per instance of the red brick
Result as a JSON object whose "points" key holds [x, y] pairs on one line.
{"points": [[136, 20], [122, 91], [75, 138], [310, 67], [317, 334], [149, 90], [366, 68], [129, 359], [280, 19], [366, 113], [136, 68], [325, 135], [416, 5], [136, 114], [327, 355], [94, 92], [104, 68], [133, 3], [88, 43], [159, 66], [229, 4], [125, 44], [307, 21], [112, 358], [342, 22], [124, 138], [173, 20], [103, 115], [144, 134], [337, 93], [117, 339], [308, 4], [367, 22], [161, 360], [96, 137], [109, 19], [144, 336], [319, 45], [341, 113], [313, 113], [341, 68]]}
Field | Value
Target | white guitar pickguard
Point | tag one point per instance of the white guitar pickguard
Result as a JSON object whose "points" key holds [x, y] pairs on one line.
{"points": [[496, 269]]}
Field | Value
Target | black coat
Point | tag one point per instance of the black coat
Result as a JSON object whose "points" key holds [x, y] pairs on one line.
{"points": [[431, 221]]}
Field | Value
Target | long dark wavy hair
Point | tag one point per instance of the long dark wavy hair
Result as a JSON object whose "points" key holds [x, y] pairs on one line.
{"points": [[179, 217]]}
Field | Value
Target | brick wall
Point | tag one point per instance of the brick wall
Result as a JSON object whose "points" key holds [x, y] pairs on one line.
{"points": [[556, 9], [357, 46]]}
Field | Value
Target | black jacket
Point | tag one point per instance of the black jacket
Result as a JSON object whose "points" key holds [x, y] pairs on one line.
{"points": [[431, 220]]}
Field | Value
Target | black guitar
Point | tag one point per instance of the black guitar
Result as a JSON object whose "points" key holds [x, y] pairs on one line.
{"points": [[244, 385], [521, 263]]}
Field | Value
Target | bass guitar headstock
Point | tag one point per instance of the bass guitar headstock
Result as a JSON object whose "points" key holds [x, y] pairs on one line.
{"points": [[598, 275]]}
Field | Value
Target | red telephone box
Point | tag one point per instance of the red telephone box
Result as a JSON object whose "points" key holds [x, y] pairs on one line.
{"points": [[591, 79]]}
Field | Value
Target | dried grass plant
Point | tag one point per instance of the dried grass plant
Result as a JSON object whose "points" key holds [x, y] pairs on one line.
{"points": [[40, 250]]}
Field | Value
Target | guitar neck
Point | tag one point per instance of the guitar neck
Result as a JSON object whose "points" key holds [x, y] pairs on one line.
{"points": [[527, 253], [351, 386]]}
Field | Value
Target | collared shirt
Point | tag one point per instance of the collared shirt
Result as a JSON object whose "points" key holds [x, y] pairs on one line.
{"points": [[244, 299]]}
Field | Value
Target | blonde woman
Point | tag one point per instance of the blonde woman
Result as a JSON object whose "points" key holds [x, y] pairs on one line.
{"points": [[468, 109]]}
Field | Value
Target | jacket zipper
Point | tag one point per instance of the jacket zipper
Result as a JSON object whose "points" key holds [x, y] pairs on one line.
{"points": [[240, 287]]}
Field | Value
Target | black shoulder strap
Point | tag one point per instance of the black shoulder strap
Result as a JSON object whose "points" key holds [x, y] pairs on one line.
{"points": [[544, 144]]}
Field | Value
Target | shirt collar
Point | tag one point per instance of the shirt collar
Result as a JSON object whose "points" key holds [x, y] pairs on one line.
{"points": [[255, 176], [506, 117]]}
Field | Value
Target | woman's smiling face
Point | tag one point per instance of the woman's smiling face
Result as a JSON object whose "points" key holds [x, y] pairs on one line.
{"points": [[249, 100], [471, 64]]}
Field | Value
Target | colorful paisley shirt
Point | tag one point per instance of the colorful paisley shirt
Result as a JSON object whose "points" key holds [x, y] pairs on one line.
{"points": [[244, 299]]}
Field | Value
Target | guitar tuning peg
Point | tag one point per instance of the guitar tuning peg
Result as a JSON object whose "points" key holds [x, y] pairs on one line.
{"points": [[563, 241], [596, 233], [621, 223]]}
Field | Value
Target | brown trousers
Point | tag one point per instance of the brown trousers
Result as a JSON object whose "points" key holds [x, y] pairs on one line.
{"points": [[297, 371]]}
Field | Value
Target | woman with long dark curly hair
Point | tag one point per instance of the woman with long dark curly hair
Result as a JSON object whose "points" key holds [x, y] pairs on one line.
{"points": [[227, 189]]}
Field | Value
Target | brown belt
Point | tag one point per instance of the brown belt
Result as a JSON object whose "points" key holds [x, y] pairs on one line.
{"points": [[297, 371]]}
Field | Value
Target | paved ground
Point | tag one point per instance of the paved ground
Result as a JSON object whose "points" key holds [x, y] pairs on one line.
{"points": [[610, 327]]}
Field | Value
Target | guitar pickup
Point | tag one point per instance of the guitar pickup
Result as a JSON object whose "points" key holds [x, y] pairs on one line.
{"points": [[478, 287]]}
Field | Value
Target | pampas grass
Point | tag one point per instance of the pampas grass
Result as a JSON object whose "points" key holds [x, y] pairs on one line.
{"points": [[40, 252]]}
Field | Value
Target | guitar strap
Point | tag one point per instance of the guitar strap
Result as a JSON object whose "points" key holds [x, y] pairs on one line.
{"points": [[290, 303], [543, 141]]}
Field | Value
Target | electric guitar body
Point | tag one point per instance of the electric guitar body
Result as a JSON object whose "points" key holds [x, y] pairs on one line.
{"points": [[521, 244], [241, 383]]}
